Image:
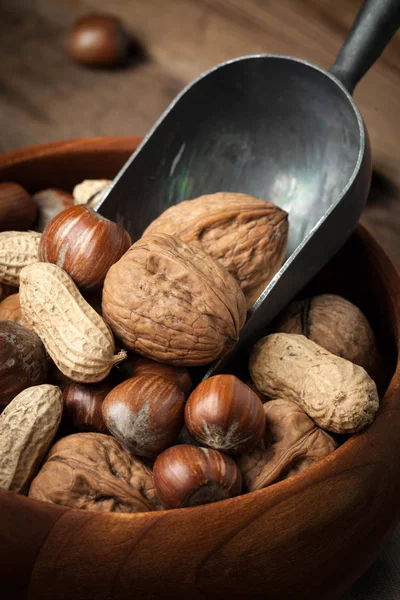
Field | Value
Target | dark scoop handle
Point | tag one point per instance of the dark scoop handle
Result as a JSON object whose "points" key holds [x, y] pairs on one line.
{"points": [[374, 27]]}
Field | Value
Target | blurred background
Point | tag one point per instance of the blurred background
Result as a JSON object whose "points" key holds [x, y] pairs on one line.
{"points": [[45, 95]]}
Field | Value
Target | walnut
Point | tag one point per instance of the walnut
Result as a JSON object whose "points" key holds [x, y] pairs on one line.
{"points": [[172, 302], [93, 472], [292, 444], [247, 235], [335, 324]]}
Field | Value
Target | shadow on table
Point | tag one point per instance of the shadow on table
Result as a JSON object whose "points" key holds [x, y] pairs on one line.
{"points": [[382, 580]]}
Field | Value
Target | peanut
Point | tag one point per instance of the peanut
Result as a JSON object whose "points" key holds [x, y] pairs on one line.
{"points": [[337, 394], [27, 428], [17, 249], [75, 336], [90, 191]]}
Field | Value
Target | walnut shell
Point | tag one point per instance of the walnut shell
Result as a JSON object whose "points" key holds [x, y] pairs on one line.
{"points": [[93, 472], [335, 324], [172, 302], [293, 444], [247, 235]]}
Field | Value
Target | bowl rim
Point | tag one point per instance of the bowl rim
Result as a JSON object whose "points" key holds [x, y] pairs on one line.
{"points": [[273, 493], [92, 144]]}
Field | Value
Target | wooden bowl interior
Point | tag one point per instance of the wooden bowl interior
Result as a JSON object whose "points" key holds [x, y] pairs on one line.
{"points": [[261, 537]]}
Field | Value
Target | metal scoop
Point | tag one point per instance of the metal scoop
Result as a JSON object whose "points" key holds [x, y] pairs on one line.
{"points": [[276, 127]]}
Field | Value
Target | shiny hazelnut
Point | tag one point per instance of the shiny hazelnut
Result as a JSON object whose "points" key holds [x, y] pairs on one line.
{"points": [[84, 244], [225, 414], [50, 202], [10, 310], [98, 40], [145, 414], [178, 375], [189, 476], [82, 407], [17, 209], [23, 361]]}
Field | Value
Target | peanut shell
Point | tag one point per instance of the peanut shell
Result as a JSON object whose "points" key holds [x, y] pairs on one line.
{"points": [[335, 324], [338, 395], [17, 250], [90, 191], [27, 428], [75, 336]]}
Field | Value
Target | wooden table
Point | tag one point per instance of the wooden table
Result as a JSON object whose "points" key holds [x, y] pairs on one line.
{"points": [[44, 96]]}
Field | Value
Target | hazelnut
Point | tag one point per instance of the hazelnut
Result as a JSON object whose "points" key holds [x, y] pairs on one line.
{"points": [[17, 209], [82, 407], [189, 476], [98, 40], [10, 310], [23, 361], [7, 290], [178, 375], [145, 414], [84, 244], [225, 414], [50, 203]]}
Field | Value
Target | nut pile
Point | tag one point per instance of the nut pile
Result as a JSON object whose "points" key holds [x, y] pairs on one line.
{"points": [[97, 337]]}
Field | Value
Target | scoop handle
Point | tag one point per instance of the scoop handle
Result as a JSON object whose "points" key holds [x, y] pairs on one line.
{"points": [[374, 27]]}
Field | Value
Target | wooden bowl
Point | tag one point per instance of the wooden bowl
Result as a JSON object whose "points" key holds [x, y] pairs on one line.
{"points": [[310, 536]]}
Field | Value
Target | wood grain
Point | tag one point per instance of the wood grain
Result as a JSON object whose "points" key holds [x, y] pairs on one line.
{"points": [[307, 537], [45, 97]]}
